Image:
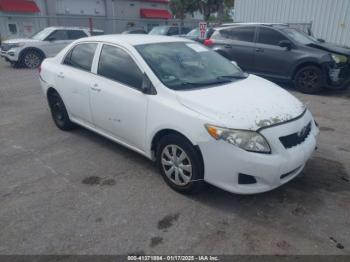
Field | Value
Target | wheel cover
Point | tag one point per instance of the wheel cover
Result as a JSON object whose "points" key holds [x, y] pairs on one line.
{"points": [[57, 109], [309, 79], [176, 165], [32, 60]]}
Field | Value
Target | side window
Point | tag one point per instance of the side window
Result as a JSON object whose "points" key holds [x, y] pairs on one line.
{"points": [[269, 36], [118, 65], [245, 34], [81, 56], [173, 31], [76, 34], [58, 35]]}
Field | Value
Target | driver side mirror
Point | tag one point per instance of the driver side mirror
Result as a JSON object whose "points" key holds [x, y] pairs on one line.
{"points": [[147, 86], [286, 43], [51, 38]]}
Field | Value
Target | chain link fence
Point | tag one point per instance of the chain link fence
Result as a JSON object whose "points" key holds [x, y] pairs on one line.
{"points": [[24, 26], [15, 26]]}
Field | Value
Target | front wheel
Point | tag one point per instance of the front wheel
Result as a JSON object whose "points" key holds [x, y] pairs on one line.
{"points": [[180, 164], [309, 80], [31, 59]]}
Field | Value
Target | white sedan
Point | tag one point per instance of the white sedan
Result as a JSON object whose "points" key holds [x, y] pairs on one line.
{"points": [[199, 116]]}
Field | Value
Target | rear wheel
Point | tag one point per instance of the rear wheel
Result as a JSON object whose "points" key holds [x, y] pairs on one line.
{"points": [[309, 80], [180, 164], [31, 59], [59, 112]]}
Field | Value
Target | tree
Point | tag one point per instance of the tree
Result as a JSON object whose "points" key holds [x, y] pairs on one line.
{"points": [[207, 7], [221, 7], [179, 8]]}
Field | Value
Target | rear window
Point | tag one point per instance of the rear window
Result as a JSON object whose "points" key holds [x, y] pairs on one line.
{"points": [[81, 56], [245, 34]]}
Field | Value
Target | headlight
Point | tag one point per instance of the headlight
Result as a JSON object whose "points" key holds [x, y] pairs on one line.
{"points": [[16, 45], [339, 58], [248, 140]]}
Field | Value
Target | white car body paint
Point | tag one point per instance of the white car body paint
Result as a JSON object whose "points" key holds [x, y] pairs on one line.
{"points": [[131, 118]]}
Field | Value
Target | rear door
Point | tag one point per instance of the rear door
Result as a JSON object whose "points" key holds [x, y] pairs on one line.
{"points": [[237, 44], [271, 59], [74, 79]]}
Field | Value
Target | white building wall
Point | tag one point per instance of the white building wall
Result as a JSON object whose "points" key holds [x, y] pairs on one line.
{"points": [[330, 18], [81, 7]]}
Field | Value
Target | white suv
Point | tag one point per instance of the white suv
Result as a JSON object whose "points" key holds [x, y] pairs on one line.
{"points": [[30, 52]]}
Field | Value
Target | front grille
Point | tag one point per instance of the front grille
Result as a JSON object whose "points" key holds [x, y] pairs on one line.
{"points": [[296, 138], [5, 47]]}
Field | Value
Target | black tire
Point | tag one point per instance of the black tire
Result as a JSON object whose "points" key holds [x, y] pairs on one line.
{"points": [[309, 80], [59, 112], [31, 59], [196, 182]]}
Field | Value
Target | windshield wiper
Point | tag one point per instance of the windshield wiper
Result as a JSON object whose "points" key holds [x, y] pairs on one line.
{"points": [[243, 76], [213, 82]]}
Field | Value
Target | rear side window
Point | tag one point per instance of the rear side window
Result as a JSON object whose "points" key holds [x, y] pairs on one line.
{"points": [[59, 35], [81, 56], [118, 65], [76, 34], [269, 36], [245, 34]]}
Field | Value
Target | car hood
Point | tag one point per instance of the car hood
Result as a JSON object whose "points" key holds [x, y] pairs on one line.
{"points": [[19, 40], [251, 103], [331, 48]]}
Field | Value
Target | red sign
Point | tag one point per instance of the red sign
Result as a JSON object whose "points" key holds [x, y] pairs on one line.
{"points": [[202, 29]]}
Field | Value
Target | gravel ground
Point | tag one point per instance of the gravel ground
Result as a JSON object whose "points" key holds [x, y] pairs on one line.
{"points": [[78, 193]]}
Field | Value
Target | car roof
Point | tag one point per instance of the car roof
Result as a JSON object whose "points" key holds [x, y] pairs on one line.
{"points": [[134, 39], [73, 28], [276, 25], [255, 23]]}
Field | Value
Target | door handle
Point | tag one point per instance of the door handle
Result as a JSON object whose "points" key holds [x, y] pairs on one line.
{"points": [[60, 75], [95, 88], [227, 46], [259, 50]]}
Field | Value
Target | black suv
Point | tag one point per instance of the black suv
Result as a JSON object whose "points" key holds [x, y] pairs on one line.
{"points": [[278, 52]]}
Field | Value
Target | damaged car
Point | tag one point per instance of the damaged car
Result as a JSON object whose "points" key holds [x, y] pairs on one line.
{"points": [[282, 53], [195, 113]]}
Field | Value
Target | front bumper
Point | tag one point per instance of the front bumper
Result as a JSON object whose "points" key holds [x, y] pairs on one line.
{"points": [[337, 75], [11, 55], [223, 162]]}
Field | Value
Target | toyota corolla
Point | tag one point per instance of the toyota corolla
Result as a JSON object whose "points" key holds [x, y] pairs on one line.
{"points": [[195, 113]]}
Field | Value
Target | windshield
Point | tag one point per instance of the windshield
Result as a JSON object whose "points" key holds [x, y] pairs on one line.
{"points": [[194, 32], [300, 36], [41, 35], [185, 65], [159, 30]]}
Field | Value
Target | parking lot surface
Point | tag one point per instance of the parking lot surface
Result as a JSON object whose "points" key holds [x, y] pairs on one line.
{"points": [[79, 193]]}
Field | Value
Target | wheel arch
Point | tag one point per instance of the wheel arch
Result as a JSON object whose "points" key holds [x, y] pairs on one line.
{"points": [[50, 91], [31, 48], [163, 132], [304, 64]]}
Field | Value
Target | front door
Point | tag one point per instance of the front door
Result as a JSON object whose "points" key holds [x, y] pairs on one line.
{"points": [[117, 104]]}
